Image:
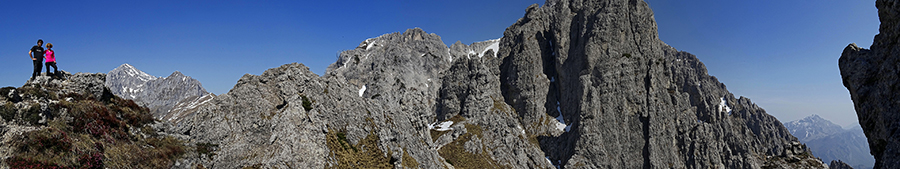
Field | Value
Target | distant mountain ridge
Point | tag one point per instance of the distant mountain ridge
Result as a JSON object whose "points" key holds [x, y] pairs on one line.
{"points": [[159, 94], [812, 127], [832, 142]]}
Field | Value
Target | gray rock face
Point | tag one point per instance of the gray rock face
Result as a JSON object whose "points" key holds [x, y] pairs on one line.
{"points": [[829, 141], [262, 121], [572, 84], [187, 106], [632, 100], [159, 94], [871, 76]]}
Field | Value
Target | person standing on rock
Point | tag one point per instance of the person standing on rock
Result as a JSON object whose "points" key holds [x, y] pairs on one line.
{"points": [[51, 59], [35, 53]]}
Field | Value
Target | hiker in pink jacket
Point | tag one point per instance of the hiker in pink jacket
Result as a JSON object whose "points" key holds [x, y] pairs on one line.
{"points": [[51, 59]]}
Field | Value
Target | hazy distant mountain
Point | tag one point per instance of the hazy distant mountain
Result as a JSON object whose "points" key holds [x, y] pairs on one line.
{"points": [[160, 95], [812, 127], [831, 142]]}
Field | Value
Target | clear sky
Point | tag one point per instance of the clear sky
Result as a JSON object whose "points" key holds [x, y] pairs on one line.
{"points": [[781, 54]]}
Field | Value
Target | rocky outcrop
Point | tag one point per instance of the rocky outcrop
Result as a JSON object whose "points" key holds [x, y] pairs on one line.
{"points": [[839, 165], [871, 76], [161, 95], [262, 121], [829, 141], [571, 85], [36, 96]]}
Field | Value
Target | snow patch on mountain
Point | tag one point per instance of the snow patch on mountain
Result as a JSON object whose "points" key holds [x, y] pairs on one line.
{"points": [[443, 126], [723, 106], [362, 90], [134, 72], [495, 46], [370, 43], [560, 121]]}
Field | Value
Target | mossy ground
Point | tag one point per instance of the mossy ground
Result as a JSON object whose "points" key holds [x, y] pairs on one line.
{"points": [[93, 133]]}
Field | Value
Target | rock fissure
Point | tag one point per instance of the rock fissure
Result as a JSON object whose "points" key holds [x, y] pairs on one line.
{"points": [[646, 149]]}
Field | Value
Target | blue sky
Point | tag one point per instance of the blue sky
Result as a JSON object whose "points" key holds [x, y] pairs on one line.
{"points": [[781, 54]]}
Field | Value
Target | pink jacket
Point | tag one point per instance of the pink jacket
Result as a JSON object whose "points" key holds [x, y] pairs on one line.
{"points": [[49, 56]]}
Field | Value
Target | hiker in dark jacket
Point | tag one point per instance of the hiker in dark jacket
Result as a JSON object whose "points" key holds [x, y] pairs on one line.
{"points": [[37, 57]]}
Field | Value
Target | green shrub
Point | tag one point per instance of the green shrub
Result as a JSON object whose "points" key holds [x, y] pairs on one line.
{"points": [[132, 113], [307, 104], [47, 140], [206, 149], [8, 111], [37, 92], [33, 114]]}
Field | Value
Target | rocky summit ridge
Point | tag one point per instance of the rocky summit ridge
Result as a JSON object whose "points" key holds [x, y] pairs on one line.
{"points": [[572, 84], [872, 77]]}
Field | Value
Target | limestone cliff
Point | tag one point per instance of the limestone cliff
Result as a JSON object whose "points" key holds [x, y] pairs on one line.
{"points": [[633, 101], [871, 76]]}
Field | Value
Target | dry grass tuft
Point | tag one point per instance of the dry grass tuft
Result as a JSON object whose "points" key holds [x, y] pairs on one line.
{"points": [[365, 154]]}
